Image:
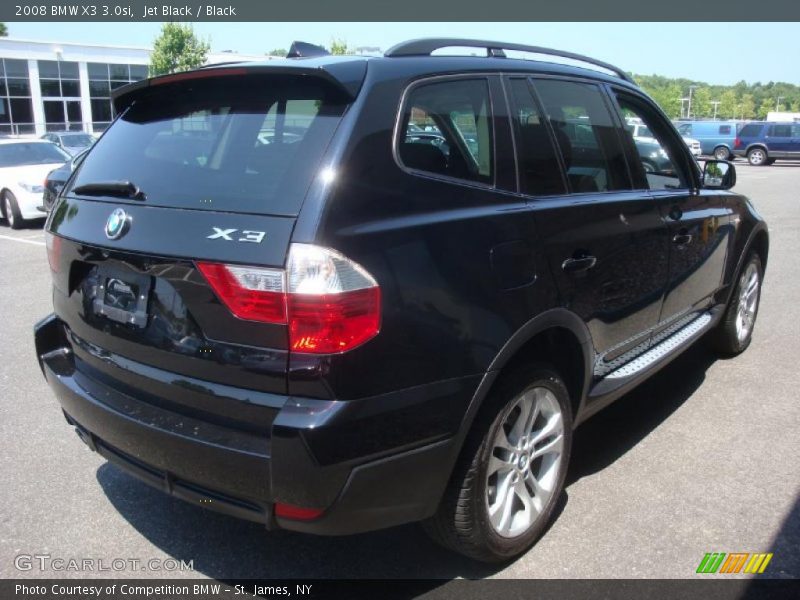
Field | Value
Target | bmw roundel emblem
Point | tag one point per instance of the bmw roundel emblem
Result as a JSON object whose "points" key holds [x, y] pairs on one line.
{"points": [[117, 224]]}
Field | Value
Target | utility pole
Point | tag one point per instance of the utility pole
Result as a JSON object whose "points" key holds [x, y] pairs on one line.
{"points": [[778, 103], [683, 104], [716, 103], [689, 110]]}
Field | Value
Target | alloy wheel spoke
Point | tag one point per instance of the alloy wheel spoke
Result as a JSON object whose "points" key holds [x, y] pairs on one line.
{"points": [[553, 426], [554, 445]]}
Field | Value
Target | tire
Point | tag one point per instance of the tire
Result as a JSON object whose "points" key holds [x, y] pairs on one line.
{"points": [[11, 211], [757, 157], [734, 333], [722, 153], [476, 517]]}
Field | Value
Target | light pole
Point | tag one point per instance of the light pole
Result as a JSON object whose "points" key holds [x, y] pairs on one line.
{"points": [[778, 103], [689, 110], [683, 100], [716, 103]]}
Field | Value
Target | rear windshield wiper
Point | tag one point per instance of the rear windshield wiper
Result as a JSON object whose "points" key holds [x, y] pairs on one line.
{"points": [[123, 189]]}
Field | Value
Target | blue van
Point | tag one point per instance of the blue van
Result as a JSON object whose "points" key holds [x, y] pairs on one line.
{"points": [[716, 137], [762, 143]]}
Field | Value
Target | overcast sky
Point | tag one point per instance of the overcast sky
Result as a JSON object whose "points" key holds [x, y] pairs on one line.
{"points": [[712, 52]]}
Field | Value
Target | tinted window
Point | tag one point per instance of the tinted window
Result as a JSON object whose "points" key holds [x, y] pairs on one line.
{"points": [[447, 130], [750, 130], [16, 155], [724, 129], [780, 130], [657, 156], [77, 140], [585, 134], [685, 129], [796, 130], [250, 145], [539, 170]]}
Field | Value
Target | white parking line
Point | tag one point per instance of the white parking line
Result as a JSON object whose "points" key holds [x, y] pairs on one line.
{"points": [[21, 240]]}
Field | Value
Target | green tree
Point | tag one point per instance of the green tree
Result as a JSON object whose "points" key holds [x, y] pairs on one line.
{"points": [[767, 105], [668, 98], [339, 47], [796, 106], [3, 30], [727, 104], [177, 49], [701, 102], [278, 52], [747, 106]]}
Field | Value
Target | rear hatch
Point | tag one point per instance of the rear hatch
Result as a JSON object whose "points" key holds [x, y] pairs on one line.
{"points": [[210, 166]]}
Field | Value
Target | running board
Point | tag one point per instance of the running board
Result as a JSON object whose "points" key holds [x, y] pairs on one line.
{"points": [[665, 349]]}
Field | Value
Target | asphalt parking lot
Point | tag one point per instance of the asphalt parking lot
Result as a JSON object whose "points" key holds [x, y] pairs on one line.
{"points": [[702, 458]]}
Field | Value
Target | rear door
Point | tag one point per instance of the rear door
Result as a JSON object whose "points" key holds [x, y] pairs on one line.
{"points": [[604, 241], [779, 140], [698, 220], [794, 149], [212, 169]]}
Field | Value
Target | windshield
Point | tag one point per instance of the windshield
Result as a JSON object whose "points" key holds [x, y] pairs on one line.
{"points": [[30, 153], [78, 140], [250, 145]]}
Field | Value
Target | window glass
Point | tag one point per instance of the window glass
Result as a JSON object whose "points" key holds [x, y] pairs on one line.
{"points": [[724, 129], [31, 153], [796, 130], [48, 69], [656, 155], [69, 70], [539, 170], [750, 130], [16, 107], [584, 131], [448, 131], [16, 67], [780, 130], [251, 146], [18, 87], [685, 129]]}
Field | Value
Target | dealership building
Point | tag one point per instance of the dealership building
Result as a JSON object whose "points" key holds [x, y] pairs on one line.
{"points": [[64, 86]]}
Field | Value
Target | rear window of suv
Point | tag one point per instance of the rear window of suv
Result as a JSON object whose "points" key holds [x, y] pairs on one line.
{"points": [[750, 130], [250, 146]]}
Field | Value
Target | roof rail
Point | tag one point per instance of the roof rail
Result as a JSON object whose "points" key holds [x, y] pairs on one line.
{"points": [[425, 46]]}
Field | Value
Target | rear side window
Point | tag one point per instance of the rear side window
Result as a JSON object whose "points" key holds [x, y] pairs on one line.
{"points": [[750, 130], [685, 129], [31, 153], [539, 170], [250, 145], [585, 134], [446, 129], [780, 130], [724, 129]]}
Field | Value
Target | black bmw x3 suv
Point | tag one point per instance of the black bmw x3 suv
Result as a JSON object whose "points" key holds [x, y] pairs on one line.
{"points": [[337, 294]]}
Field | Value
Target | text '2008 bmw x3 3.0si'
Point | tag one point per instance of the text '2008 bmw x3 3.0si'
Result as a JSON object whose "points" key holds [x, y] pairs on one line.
{"points": [[336, 294]]}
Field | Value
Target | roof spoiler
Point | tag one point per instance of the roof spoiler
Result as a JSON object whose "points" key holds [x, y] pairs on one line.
{"points": [[345, 76]]}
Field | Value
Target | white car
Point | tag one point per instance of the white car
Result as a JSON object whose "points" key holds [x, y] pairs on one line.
{"points": [[24, 164], [640, 130]]}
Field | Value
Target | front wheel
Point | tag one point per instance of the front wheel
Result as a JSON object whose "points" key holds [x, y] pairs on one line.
{"points": [[511, 472], [757, 157], [735, 332], [11, 211]]}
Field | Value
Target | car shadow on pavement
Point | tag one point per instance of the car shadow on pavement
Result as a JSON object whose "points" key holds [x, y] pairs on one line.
{"points": [[226, 548], [618, 428]]}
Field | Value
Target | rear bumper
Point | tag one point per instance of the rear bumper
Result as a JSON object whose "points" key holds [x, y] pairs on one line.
{"points": [[318, 454]]}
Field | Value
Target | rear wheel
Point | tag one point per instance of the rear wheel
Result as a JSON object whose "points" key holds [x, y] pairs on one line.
{"points": [[757, 157], [11, 211], [722, 153], [735, 332], [511, 471]]}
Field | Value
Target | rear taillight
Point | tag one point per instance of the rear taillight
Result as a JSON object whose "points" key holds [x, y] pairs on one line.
{"points": [[737, 143], [329, 303], [53, 243]]}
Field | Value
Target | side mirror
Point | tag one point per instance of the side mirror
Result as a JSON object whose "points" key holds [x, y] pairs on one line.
{"points": [[719, 175]]}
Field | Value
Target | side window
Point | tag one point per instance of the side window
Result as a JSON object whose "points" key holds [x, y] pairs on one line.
{"points": [[686, 129], [780, 131], [585, 135], [657, 155], [539, 170], [750, 130], [796, 130], [724, 130], [446, 129]]}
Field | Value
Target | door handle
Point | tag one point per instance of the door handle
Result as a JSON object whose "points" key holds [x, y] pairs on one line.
{"points": [[577, 265], [682, 239]]}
